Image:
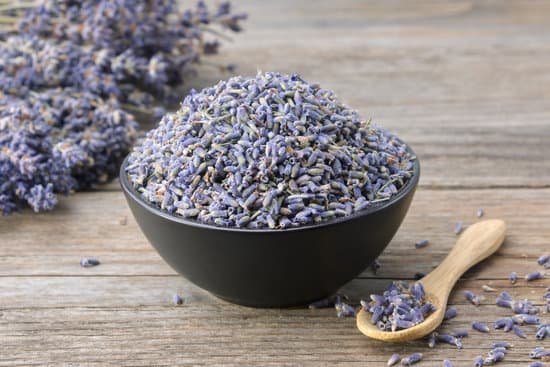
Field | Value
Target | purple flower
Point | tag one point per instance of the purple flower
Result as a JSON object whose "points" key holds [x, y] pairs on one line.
{"points": [[89, 262], [479, 326]]}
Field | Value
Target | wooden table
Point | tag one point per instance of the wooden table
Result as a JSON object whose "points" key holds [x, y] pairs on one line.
{"points": [[465, 83]]}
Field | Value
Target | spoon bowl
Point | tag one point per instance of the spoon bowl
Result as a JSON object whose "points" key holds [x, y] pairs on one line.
{"points": [[476, 243]]}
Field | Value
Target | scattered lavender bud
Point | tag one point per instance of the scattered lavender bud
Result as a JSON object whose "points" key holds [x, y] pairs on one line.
{"points": [[536, 364], [543, 259], [487, 288], [412, 359], [88, 262], [479, 326], [502, 344], [494, 358], [228, 143], [534, 276], [177, 300], [526, 319], [513, 277], [394, 359], [535, 352], [506, 324], [344, 310], [421, 243], [450, 313], [480, 212], [518, 331], [324, 303], [478, 361], [447, 363], [461, 333], [449, 339], [375, 266], [458, 228], [504, 300], [543, 331], [473, 298]]}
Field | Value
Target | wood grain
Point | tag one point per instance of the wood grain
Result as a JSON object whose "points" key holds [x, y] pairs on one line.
{"points": [[465, 83]]}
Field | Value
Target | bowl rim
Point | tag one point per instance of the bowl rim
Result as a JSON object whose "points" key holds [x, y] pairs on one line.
{"points": [[410, 185]]}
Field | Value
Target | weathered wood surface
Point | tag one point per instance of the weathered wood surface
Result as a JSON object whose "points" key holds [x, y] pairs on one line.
{"points": [[465, 83]]}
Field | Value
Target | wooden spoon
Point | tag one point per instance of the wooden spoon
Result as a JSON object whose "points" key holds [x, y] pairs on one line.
{"points": [[476, 243]]}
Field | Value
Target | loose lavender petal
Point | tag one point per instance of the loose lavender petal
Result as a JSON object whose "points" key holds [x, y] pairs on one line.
{"points": [[513, 277], [432, 339], [487, 288], [421, 243], [534, 276], [88, 262], [479, 326], [394, 359], [412, 359], [450, 313]]}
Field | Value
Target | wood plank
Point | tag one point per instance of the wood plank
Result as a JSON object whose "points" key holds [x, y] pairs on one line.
{"points": [[88, 224]]}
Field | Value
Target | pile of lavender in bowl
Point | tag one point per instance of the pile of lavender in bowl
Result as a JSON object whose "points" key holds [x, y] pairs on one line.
{"points": [[272, 151]]}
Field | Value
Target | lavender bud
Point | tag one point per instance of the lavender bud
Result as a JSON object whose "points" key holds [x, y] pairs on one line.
{"points": [[421, 243], [480, 212], [451, 313], [543, 259], [473, 298], [458, 228], [177, 300], [447, 363], [513, 277], [534, 276], [412, 359], [394, 359], [502, 344], [536, 364], [432, 339], [478, 361], [518, 331], [344, 310], [89, 262], [461, 333], [543, 331], [479, 326]]}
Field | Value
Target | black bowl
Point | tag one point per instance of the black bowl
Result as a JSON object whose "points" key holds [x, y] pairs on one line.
{"points": [[272, 267]]}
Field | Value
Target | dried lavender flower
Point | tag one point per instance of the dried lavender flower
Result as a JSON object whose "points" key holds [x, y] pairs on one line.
{"points": [[473, 298], [450, 313], [461, 333], [480, 212], [447, 363], [458, 228], [394, 359], [513, 277], [449, 339], [88, 262], [277, 150], [400, 307], [543, 331], [421, 243], [478, 361], [479, 326], [177, 300], [534, 276], [519, 332], [543, 259], [412, 359], [432, 339], [536, 364], [344, 310], [58, 141], [502, 344]]}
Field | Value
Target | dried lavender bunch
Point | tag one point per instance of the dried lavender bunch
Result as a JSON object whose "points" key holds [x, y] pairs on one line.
{"points": [[271, 151], [58, 141], [146, 46], [399, 307]]}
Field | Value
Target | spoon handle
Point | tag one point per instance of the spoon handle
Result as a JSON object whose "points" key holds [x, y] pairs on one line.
{"points": [[476, 243]]}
